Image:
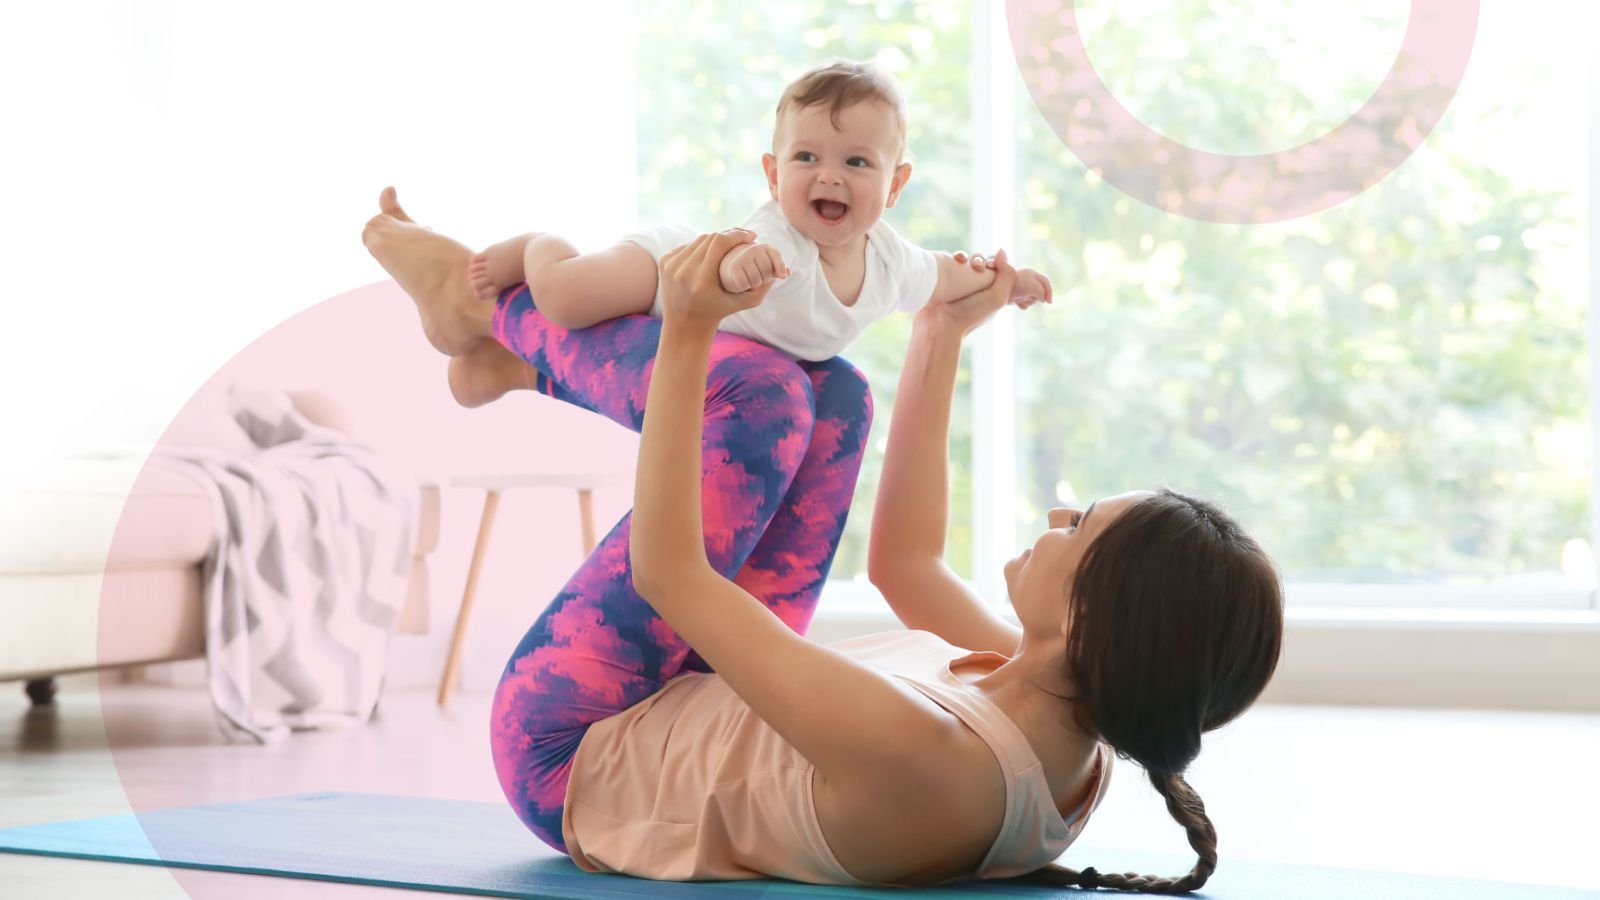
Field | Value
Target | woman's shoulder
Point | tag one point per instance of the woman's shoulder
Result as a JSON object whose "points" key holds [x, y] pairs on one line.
{"points": [[920, 829]]}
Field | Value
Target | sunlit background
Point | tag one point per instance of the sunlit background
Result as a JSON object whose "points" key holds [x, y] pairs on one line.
{"points": [[1393, 394], [1394, 391]]}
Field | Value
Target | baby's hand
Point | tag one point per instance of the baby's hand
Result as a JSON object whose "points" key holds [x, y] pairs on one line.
{"points": [[749, 267], [1030, 287]]}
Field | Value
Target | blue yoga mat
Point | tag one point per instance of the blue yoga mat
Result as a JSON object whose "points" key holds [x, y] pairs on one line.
{"points": [[480, 848]]}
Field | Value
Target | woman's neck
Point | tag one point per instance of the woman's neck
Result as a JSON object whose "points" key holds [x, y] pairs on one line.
{"points": [[1066, 752], [1032, 689]]}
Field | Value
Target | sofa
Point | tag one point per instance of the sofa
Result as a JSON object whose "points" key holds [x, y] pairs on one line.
{"points": [[72, 599]]}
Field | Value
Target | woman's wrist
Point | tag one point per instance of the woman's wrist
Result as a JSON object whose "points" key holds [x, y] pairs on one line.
{"points": [[935, 342], [679, 328], [937, 326]]}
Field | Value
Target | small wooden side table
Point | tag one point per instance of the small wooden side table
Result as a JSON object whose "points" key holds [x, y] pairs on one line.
{"points": [[494, 485]]}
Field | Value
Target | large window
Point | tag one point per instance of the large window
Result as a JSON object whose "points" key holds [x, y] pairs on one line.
{"points": [[1392, 394]]}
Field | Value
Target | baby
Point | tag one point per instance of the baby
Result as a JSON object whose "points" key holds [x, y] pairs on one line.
{"points": [[838, 162]]}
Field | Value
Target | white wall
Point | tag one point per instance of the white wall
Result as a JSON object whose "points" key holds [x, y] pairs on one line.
{"points": [[180, 176]]}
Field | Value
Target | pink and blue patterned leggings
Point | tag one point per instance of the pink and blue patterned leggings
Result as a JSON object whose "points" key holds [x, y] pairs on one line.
{"points": [[782, 446]]}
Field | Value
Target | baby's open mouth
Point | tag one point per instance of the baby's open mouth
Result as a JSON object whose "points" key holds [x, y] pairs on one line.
{"points": [[832, 210]]}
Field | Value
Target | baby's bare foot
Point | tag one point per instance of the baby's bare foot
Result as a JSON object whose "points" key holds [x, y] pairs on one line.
{"points": [[487, 372], [478, 277], [433, 270], [494, 269]]}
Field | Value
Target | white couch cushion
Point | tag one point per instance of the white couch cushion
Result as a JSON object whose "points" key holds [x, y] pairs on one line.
{"points": [[84, 620], [61, 516]]}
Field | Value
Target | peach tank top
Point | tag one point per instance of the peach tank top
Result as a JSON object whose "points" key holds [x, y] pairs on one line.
{"points": [[690, 785]]}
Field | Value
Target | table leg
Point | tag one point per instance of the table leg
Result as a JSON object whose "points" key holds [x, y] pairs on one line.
{"points": [[491, 502], [586, 519]]}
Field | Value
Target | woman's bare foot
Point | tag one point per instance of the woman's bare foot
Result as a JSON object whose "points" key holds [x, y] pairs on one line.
{"points": [[433, 270], [486, 373], [496, 268]]}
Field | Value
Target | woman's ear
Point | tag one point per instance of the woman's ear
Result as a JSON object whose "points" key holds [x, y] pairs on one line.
{"points": [[770, 164], [902, 174]]}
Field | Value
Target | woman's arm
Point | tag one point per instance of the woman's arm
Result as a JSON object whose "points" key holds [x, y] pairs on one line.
{"points": [[853, 722], [668, 539], [667, 544], [906, 555], [909, 521]]}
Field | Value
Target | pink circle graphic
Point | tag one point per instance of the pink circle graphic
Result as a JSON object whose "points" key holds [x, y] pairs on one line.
{"points": [[1242, 189], [358, 363]]}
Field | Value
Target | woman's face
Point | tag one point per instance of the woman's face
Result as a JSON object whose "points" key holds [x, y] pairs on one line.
{"points": [[1040, 579]]}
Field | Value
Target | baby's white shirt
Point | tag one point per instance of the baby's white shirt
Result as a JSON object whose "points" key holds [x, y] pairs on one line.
{"points": [[800, 315]]}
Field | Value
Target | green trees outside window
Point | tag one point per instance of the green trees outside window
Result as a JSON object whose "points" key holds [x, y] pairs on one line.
{"points": [[1393, 390]]}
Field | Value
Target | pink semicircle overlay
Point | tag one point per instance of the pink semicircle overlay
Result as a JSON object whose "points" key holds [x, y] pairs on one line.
{"points": [[1242, 189], [361, 358]]}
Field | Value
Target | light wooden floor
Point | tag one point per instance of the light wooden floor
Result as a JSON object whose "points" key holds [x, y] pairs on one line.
{"points": [[1502, 796]]}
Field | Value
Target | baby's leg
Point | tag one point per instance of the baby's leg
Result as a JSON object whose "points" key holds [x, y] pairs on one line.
{"points": [[572, 290], [576, 291]]}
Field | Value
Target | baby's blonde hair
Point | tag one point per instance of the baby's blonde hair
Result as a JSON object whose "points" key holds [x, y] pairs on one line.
{"points": [[842, 84]]}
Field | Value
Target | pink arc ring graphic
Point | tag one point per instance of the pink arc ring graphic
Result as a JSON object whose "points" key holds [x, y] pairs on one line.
{"points": [[1242, 189]]}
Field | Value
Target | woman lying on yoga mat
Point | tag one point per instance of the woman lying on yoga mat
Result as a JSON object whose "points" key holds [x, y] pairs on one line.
{"points": [[965, 748]]}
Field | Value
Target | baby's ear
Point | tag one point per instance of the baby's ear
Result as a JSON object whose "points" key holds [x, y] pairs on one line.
{"points": [[902, 174], [769, 164]]}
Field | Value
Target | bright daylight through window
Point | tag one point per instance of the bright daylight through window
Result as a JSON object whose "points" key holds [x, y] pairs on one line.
{"points": [[1393, 394]]}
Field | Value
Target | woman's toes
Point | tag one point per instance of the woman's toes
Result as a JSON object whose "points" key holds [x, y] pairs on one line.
{"points": [[389, 202], [370, 232]]}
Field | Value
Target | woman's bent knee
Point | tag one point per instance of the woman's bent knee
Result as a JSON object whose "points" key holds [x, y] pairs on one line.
{"points": [[753, 378], [842, 391]]}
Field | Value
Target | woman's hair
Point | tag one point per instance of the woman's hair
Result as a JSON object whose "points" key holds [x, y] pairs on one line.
{"points": [[841, 85], [1177, 623]]}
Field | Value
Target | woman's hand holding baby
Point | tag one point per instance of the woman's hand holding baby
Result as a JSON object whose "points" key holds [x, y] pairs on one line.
{"points": [[692, 289], [752, 266], [963, 315], [1030, 287]]}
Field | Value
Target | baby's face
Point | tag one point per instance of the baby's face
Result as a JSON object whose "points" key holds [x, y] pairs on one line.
{"points": [[833, 183]]}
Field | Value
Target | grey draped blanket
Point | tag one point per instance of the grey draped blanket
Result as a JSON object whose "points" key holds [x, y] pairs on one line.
{"points": [[307, 575]]}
